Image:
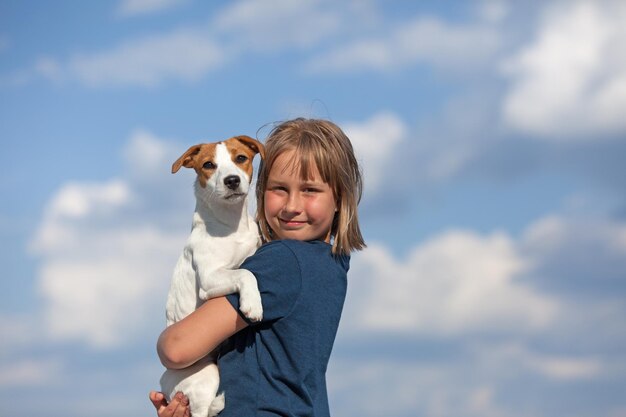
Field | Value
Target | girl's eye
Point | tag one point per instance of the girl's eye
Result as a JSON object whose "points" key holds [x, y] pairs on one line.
{"points": [[240, 159], [209, 165], [311, 190]]}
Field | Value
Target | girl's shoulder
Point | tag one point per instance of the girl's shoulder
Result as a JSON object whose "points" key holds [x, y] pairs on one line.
{"points": [[270, 254]]}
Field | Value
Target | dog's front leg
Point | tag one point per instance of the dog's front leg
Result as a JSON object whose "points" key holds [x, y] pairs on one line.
{"points": [[228, 281]]}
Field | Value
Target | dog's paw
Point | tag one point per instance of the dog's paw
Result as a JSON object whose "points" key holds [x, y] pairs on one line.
{"points": [[217, 405], [202, 294], [253, 313], [250, 305]]}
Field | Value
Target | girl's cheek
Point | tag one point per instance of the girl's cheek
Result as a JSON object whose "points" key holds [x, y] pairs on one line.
{"points": [[323, 204], [270, 199]]}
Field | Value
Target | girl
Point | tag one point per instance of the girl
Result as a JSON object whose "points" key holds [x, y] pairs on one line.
{"points": [[307, 194]]}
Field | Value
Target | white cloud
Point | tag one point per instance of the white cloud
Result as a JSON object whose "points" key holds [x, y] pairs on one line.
{"points": [[180, 55], [74, 202], [44, 67], [383, 387], [254, 24], [109, 288], [529, 362], [375, 143], [188, 54], [128, 8], [570, 81], [17, 331], [245, 26], [464, 380], [250, 25], [77, 200], [550, 235], [494, 10], [455, 283], [106, 265], [49, 68], [147, 156], [567, 368], [461, 283], [427, 40], [30, 372], [411, 387]]}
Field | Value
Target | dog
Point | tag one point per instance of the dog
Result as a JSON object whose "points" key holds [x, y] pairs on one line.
{"points": [[223, 234]]}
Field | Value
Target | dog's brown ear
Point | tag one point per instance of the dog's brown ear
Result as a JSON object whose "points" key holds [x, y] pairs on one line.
{"points": [[253, 144], [186, 159]]}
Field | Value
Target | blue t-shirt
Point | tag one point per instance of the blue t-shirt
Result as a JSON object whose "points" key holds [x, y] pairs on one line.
{"points": [[278, 367]]}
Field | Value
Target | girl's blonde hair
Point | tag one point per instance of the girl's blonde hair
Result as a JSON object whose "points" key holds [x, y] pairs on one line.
{"points": [[324, 144]]}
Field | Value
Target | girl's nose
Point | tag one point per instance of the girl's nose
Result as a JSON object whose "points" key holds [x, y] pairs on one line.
{"points": [[293, 204]]}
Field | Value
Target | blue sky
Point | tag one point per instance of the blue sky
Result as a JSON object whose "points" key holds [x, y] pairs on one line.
{"points": [[492, 136]]}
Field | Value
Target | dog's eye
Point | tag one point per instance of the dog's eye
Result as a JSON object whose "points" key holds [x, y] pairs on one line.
{"points": [[240, 159], [209, 165]]}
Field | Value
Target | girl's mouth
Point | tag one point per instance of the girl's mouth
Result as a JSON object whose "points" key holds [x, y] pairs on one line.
{"points": [[292, 223]]}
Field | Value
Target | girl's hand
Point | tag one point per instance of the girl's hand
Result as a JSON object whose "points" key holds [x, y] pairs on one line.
{"points": [[178, 407]]}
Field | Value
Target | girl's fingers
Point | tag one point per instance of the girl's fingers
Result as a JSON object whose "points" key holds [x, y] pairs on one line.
{"points": [[158, 400], [178, 407]]}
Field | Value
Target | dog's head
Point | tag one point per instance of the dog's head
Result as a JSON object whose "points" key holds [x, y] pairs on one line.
{"points": [[224, 169]]}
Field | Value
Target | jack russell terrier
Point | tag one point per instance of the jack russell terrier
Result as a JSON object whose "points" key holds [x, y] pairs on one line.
{"points": [[223, 234]]}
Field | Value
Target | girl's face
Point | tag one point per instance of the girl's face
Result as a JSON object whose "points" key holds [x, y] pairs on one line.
{"points": [[295, 208]]}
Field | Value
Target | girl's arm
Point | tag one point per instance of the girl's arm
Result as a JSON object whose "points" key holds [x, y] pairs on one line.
{"points": [[185, 342]]}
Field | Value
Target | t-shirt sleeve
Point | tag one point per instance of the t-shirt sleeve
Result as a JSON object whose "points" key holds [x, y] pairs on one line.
{"points": [[277, 271]]}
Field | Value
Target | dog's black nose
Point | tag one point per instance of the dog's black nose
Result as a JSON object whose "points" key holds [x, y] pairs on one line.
{"points": [[232, 182]]}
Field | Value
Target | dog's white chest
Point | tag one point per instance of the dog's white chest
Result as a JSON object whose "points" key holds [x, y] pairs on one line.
{"points": [[198, 267]]}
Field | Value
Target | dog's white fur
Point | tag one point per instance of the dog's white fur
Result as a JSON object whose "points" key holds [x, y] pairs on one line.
{"points": [[223, 234]]}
